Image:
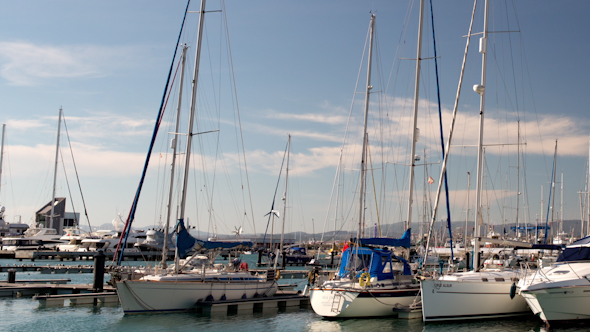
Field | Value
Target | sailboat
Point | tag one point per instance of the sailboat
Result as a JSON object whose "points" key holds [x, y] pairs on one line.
{"points": [[367, 283], [180, 286], [47, 232], [476, 294]]}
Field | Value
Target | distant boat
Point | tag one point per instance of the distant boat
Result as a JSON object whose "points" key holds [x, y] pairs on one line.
{"points": [[35, 238]]}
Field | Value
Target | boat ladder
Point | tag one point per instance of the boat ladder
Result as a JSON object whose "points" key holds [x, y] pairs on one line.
{"points": [[336, 302]]}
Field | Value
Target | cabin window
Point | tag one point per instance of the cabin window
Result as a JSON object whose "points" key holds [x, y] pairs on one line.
{"points": [[360, 262]]}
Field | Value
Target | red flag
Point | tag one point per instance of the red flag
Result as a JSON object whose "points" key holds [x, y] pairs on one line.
{"points": [[430, 180]]}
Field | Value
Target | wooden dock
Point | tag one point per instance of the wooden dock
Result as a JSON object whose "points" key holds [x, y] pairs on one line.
{"points": [[20, 289], [49, 269], [77, 299], [80, 255]]}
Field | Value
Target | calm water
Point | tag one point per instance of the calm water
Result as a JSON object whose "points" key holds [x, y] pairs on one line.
{"points": [[24, 314]]}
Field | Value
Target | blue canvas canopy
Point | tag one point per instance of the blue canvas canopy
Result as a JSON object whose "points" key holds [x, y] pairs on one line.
{"points": [[404, 241], [375, 261]]}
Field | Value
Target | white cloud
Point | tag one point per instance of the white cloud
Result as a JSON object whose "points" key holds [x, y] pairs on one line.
{"points": [[27, 64], [25, 124], [91, 161], [330, 119]]}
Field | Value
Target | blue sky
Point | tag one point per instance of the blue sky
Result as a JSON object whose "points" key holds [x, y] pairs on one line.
{"points": [[296, 65]]}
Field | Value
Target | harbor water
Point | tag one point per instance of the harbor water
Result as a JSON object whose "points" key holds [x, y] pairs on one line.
{"points": [[24, 314]]}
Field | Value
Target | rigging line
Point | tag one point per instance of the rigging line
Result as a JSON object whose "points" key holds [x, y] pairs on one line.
{"points": [[147, 160], [455, 107], [272, 207], [442, 139], [374, 190], [69, 191], [77, 177], [346, 133], [239, 122]]}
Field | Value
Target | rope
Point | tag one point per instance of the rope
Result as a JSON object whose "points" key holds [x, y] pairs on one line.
{"points": [[76, 171], [131, 216]]}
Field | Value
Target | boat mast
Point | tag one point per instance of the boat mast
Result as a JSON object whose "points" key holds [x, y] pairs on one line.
{"points": [[480, 88], [553, 187], [285, 200], [55, 170], [2, 153], [415, 116], [174, 146], [364, 151], [191, 118], [467, 217], [517, 179]]}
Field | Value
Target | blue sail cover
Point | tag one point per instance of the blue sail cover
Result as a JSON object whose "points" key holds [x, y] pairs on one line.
{"points": [[184, 241], [224, 244], [404, 241]]}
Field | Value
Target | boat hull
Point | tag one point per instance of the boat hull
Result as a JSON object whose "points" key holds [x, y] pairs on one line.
{"points": [[349, 303], [560, 305], [445, 300], [139, 296]]}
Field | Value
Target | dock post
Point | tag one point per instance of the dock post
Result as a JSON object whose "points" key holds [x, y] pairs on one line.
{"points": [[11, 276], [97, 285]]}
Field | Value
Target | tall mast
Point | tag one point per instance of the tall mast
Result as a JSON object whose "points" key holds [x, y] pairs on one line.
{"points": [[467, 217], [285, 195], [174, 146], [561, 208], [483, 43], [553, 186], [414, 132], [517, 177], [2, 154], [189, 134], [55, 170], [192, 111], [364, 151]]}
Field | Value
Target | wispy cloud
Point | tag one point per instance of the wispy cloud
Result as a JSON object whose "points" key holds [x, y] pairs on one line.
{"points": [[96, 125], [26, 64], [331, 119], [91, 160]]}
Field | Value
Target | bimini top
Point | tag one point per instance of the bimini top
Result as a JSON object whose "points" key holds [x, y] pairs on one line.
{"points": [[404, 241], [577, 251], [375, 261]]}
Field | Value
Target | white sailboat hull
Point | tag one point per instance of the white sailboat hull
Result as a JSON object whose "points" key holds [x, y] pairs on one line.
{"points": [[349, 302], [139, 296], [444, 300]]}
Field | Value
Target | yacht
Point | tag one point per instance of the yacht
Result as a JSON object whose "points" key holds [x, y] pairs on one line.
{"points": [[561, 292], [34, 238]]}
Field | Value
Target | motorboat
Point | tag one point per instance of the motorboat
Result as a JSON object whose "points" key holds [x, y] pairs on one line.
{"points": [[560, 293]]}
